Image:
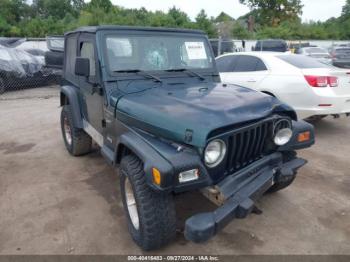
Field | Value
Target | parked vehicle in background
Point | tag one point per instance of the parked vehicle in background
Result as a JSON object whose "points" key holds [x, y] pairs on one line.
{"points": [[340, 56], [20, 69], [152, 99], [273, 45], [312, 88], [222, 46], [54, 55], [295, 46], [22, 64], [319, 53]]}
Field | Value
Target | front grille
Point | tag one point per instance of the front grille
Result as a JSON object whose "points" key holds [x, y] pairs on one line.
{"points": [[247, 145]]}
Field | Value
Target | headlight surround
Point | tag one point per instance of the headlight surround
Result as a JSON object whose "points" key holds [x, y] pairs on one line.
{"points": [[283, 136], [214, 152]]}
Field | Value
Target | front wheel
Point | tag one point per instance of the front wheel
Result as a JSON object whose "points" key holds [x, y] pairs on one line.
{"points": [[151, 215], [282, 184]]}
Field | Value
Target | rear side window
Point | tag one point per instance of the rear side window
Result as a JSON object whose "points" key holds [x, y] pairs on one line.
{"points": [[302, 62], [69, 60], [226, 63], [249, 64]]}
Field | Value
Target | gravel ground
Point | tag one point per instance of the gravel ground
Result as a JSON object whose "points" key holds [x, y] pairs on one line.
{"points": [[52, 203]]}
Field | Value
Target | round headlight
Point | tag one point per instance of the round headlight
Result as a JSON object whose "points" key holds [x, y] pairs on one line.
{"points": [[214, 153], [283, 136]]}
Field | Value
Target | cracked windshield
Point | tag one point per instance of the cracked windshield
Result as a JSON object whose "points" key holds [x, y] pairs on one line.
{"points": [[150, 53]]}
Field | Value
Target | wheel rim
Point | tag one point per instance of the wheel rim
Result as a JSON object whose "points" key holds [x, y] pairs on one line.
{"points": [[67, 130], [131, 204]]}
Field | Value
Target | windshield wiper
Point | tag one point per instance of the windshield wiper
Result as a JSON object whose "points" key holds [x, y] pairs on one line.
{"points": [[193, 73], [140, 72]]}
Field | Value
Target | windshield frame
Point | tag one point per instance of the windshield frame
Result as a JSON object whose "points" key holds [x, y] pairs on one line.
{"points": [[111, 74]]}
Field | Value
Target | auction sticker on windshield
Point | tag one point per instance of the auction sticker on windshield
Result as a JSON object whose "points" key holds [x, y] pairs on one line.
{"points": [[195, 50]]}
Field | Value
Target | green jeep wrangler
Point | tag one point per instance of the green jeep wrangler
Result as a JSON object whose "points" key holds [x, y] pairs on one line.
{"points": [[152, 99]]}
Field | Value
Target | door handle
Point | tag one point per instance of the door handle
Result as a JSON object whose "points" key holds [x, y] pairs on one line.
{"points": [[251, 81]]}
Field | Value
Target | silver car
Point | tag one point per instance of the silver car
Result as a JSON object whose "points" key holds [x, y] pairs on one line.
{"points": [[318, 53]]}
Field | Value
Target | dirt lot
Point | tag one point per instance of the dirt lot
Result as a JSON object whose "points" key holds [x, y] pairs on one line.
{"points": [[52, 203]]}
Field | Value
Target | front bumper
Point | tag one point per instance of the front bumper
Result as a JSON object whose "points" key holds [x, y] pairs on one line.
{"points": [[241, 190]]}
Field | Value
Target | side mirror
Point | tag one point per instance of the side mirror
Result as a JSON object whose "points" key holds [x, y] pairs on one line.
{"points": [[82, 66]]}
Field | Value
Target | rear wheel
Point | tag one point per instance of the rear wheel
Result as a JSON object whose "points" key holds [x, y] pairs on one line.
{"points": [[76, 140], [151, 215]]}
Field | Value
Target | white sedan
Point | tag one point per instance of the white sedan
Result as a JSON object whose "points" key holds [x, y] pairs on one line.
{"points": [[312, 88]]}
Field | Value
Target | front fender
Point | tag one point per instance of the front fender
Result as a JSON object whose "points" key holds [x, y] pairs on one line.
{"points": [[168, 159], [71, 93], [299, 127]]}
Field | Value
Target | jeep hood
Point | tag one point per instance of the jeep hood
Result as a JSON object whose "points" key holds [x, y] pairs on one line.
{"points": [[187, 114]]}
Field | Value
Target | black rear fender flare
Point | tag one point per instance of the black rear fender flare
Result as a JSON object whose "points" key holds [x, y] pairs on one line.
{"points": [[69, 95]]}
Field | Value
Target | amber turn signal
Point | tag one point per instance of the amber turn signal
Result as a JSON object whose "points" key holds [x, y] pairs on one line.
{"points": [[156, 176], [305, 136]]}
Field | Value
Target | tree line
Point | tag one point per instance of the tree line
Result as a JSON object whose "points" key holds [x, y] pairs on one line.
{"points": [[271, 19]]}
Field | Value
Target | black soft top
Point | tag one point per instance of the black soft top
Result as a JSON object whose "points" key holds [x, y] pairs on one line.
{"points": [[94, 29]]}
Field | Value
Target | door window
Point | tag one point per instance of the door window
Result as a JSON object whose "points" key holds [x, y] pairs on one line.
{"points": [[249, 64], [226, 63]]}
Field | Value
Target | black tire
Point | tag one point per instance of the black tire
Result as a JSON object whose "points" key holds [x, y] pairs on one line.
{"points": [[155, 211], [79, 142], [287, 156], [281, 185], [316, 118]]}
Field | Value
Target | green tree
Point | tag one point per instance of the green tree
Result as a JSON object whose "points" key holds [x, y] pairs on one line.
{"points": [[105, 5], [240, 32], [205, 24], [12, 10], [52, 8], [346, 9], [4, 27], [274, 12], [177, 18], [223, 17]]}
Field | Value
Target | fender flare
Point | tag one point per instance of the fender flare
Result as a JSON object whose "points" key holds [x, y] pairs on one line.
{"points": [[148, 155], [169, 160], [71, 93], [299, 127]]}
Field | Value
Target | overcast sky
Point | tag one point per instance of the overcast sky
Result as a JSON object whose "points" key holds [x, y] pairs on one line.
{"points": [[313, 9]]}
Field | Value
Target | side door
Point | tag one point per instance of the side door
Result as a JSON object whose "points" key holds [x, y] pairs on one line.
{"points": [[248, 71], [92, 97]]}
